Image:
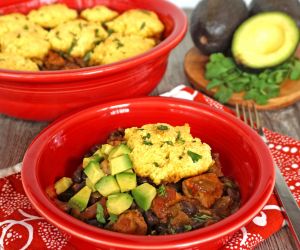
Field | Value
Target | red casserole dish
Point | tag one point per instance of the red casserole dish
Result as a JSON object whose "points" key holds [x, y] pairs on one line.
{"points": [[45, 95]]}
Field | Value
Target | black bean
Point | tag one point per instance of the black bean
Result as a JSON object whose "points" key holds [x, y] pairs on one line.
{"points": [[162, 229], [151, 219], [141, 180], [94, 222], [83, 175], [77, 175], [77, 186], [66, 196], [188, 208], [95, 196], [133, 205]]}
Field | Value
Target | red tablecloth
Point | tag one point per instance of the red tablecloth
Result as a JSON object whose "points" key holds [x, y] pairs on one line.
{"points": [[22, 228]]}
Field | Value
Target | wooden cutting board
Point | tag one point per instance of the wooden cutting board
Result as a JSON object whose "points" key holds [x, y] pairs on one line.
{"points": [[194, 66]]}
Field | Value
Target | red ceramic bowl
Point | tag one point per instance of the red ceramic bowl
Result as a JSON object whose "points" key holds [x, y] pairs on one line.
{"points": [[46, 95], [58, 150]]}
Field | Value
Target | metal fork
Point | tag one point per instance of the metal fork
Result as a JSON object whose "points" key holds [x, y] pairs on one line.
{"points": [[248, 113]]}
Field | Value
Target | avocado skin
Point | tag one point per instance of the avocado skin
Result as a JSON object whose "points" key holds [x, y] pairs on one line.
{"points": [[213, 23], [290, 7]]}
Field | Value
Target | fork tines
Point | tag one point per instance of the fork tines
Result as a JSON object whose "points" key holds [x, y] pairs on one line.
{"points": [[248, 113]]}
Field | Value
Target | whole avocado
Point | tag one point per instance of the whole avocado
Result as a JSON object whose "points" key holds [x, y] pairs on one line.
{"points": [[213, 23], [291, 7]]}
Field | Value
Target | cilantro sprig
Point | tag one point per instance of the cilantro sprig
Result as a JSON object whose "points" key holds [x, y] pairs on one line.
{"points": [[194, 156], [228, 78]]}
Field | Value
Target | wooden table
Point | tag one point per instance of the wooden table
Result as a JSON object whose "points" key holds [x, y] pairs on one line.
{"points": [[16, 135]]}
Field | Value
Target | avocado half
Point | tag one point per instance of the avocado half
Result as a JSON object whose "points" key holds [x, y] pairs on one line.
{"points": [[265, 40]]}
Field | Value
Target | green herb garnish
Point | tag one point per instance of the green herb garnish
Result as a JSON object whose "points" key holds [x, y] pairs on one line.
{"points": [[119, 44], [149, 143], [156, 164], [187, 228], [73, 44], [113, 218], [161, 191], [169, 143], [201, 217], [147, 136], [178, 137], [195, 157], [100, 214], [142, 25], [25, 27], [87, 56], [110, 31], [228, 78], [162, 127]]}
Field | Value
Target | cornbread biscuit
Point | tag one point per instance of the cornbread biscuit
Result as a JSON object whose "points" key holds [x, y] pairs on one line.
{"points": [[167, 154], [118, 47], [99, 13], [25, 43], [16, 62], [139, 22], [13, 17], [76, 37], [50, 16], [15, 22]]}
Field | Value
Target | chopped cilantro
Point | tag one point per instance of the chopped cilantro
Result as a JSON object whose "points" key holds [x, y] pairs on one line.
{"points": [[119, 44], [187, 228], [143, 25], [25, 27], [100, 214], [162, 127], [178, 137], [161, 191], [147, 136], [195, 157], [169, 143], [110, 31], [201, 217], [73, 44], [113, 218], [87, 56], [156, 164], [149, 143]]}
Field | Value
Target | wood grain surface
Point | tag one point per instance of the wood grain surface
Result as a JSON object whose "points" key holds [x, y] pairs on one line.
{"points": [[16, 135], [194, 66]]}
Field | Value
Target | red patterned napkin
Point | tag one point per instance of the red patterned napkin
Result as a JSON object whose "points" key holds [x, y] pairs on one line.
{"points": [[22, 228]]}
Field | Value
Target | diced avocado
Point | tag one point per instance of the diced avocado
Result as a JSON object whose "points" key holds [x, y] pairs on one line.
{"points": [[106, 148], [119, 150], [99, 153], [80, 199], [118, 203], [129, 171], [126, 181], [143, 195], [120, 164], [107, 185], [93, 171], [89, 183], [62, 185], [87, 160], [261, 41]]}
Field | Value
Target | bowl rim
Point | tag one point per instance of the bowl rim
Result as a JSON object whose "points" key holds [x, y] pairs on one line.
{"points": [[73, 226], [177, 34]]}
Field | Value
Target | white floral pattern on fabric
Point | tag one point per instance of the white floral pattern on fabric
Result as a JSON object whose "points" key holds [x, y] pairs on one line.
{"points": [[51, 236], [10, 200]]}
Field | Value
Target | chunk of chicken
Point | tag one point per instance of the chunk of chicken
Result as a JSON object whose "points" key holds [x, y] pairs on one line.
{"points": [[130, 222], [161, 203], [207, 188]]}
